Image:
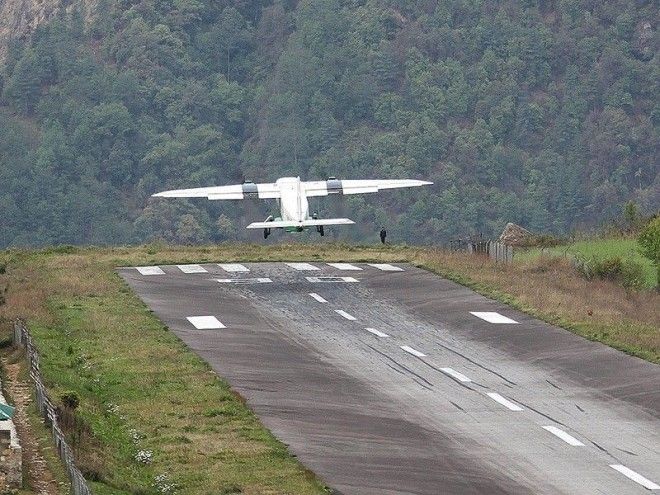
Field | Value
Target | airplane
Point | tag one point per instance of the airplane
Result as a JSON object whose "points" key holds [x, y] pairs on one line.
{"points": [[291, 194]]}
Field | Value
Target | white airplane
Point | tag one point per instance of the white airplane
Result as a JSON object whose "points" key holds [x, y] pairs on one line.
{"points": [[291, 194]]}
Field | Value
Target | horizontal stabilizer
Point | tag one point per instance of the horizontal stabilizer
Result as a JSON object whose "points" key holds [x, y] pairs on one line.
{"points": [[282, 224]]}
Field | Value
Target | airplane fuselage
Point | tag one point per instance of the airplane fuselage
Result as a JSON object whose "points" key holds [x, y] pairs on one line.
{"points": [[293, 200]]}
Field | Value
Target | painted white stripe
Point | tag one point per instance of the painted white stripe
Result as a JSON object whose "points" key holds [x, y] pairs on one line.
{"points": [[636, 477], [243, 280], [459, 376], [331, 279], [192, 268], [150, 270], [377, 333], [345, 266], [345, 314], [205, 322], [303, 266], [505, 402], [317, 297], [386, 267], [492, 317], [233, 267], [564, 436], [412, 351]]}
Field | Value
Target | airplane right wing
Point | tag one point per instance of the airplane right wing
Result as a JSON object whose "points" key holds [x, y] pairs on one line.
{"points": [[275, 224], [238, 191], [335, 186]]}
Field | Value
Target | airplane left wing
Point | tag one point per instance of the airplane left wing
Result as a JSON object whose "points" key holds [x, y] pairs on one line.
{"points": [[335, 186], [239, 191]]}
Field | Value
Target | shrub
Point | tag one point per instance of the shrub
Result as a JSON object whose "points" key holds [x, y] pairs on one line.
{"points": [[70, 400], [649, 243], [628, 273]]}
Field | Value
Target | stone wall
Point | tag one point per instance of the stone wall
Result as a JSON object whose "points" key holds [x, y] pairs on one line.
{"points": [[11, 471]]}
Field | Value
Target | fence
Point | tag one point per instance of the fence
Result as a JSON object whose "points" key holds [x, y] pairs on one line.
{"points": [[497, 251], [22, 337]]}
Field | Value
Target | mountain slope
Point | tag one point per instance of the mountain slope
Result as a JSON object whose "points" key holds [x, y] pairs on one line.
{"points": [[540, 113]]}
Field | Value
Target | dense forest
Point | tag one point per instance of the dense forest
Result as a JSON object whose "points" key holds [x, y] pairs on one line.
{"points": [[540, 112]]}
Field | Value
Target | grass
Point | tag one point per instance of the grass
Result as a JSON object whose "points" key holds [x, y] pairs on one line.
{"points": [[625, 248], [141, 389]]}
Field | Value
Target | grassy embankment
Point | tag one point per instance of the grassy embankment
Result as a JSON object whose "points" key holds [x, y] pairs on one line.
{"points": [[142, 389], [625, 248]]}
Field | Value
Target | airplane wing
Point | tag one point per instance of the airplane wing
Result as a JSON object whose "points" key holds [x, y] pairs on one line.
{"points": [[335, 186], [239, 191], [305, 223]]}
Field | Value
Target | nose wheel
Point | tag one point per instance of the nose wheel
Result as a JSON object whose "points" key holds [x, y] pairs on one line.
{"points": [[319, 229]]}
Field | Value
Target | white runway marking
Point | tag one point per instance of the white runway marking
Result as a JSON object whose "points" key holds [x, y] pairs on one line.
{"points": [[505, 402], [459, 376], [205, 322], [233, 267], [303, 266], [492, 317], [564, 436], [264, 280], [192, 268], [345, 314], [377, 333], [317, 297], [386, 267], [345, 266], [150, 270], [330, 279], [636, 477], [412, 351]]}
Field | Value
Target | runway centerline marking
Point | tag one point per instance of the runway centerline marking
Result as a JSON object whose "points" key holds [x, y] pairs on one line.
{"points": [[330, 279], [233, 267], [505, 402], [345, 266], [386, 267], [317, 297], [412, 351], [192, 268], [303, 266], [150, 270], [493, 317], [569, 439], [636, 477], [345, 314], [459, 376], [205, 322], [377, 333]]}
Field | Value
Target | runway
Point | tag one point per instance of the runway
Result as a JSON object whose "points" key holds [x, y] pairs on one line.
{"points": [[387, 379]]}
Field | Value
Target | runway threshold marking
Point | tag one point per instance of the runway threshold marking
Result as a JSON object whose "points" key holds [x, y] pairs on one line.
{"points": [[377, 333], [205, 322], [636, 477], [192, 268], [345, 314], [569, 439], [493, 317], [505, 402], [386, 267], [150, 270], [303, 266], [233, 267], [459, 376], [345, 266], [317, 297], [412, 351], [244, 281]]}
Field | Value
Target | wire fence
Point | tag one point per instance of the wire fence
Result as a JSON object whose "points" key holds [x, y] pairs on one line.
{"points": [[22, 337]]}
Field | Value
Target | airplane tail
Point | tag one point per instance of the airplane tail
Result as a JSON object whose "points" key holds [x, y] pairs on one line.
{"points": [[279, 224]]}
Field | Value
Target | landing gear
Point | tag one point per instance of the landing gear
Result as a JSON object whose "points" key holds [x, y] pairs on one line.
{"points": [[319, 229], [267, 231]]}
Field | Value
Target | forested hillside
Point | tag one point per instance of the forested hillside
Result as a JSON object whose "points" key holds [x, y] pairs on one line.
{"points": [[544, 113]]}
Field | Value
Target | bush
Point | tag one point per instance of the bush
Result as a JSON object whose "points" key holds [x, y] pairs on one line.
{"points": [[628, 273], [70, 400], [649, 242]]}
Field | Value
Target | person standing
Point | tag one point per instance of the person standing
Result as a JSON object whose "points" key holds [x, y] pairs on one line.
{"points": [[383, 234]]}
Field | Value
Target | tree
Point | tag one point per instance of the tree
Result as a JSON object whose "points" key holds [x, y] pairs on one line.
{"points": [[649, 242]]}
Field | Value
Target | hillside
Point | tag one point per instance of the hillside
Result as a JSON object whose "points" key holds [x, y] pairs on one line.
{"points": [[540, 113]]}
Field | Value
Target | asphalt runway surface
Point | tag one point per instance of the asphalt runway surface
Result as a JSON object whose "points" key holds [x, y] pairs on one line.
{"points": [[391, 380]]}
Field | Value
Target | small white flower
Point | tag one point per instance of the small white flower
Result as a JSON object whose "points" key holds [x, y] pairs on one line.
{"points": [[144, 456]]}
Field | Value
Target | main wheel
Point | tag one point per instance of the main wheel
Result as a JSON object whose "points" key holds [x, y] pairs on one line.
{"points": [[266, 233], [321, 230]]}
